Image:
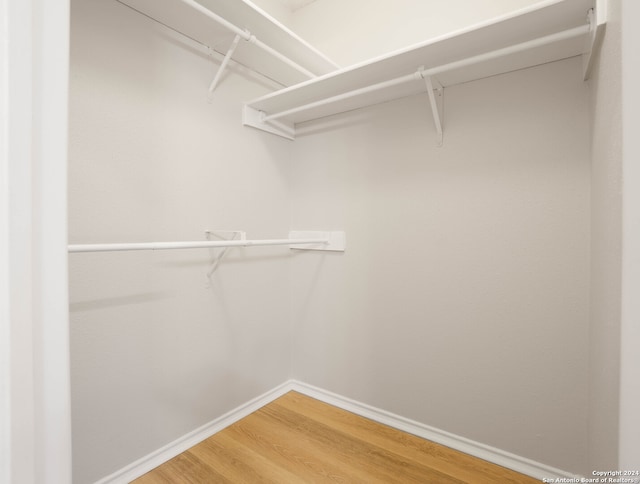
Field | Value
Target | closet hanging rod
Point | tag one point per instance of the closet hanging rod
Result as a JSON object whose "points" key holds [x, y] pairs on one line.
{"points": [[190, 245], [246, 35], [421, 73]]}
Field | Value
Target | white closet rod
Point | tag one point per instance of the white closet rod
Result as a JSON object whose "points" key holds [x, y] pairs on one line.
{"points": [[434, 71], [246, 35], [188, 245]]}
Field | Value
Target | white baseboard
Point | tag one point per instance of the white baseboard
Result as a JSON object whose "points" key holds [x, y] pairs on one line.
{"points": [[462, 444], [169, 451], [476, 449]]}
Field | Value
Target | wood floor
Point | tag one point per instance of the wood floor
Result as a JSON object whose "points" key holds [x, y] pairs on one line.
{"points": [[297, 439]]}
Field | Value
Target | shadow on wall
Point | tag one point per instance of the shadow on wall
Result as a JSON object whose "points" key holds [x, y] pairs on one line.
{"points": [[111, 302]]}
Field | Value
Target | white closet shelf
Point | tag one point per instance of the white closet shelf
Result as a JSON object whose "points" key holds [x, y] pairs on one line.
{"points": [[544, 32], [295, 60]]}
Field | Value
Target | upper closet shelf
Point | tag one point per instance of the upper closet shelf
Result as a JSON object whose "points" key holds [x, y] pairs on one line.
{"points": [[239, 29], [544, 32]]}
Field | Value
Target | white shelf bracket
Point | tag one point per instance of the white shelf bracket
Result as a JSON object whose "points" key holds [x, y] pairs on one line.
{"points": [[223, 65], [597, 19], [256, 119], [336, 241], [435, 92], [213, 235]]}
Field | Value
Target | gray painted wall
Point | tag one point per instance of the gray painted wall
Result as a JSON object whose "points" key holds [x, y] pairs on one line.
{"points": [[462, 300], [477, 325], [606, 247], [155, 352]]}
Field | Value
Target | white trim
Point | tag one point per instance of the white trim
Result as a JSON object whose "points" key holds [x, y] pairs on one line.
{"points": [[476, 449], [5, 295], [18, 111], [462, 444], [36, 446], [629, 426], [169, 451], [50, 316]]}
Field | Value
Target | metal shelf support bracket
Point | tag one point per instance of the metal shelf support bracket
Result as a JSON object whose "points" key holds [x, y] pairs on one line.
{"points": [[435, 91], [223, 65], [221, 235]]}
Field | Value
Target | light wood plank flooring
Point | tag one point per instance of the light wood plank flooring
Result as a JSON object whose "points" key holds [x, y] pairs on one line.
{"points": [[297, 439]]}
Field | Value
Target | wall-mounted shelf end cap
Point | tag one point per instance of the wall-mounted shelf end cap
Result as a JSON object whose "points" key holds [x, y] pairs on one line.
{"points": [[597, 18], [255, 119], [335, 241]]}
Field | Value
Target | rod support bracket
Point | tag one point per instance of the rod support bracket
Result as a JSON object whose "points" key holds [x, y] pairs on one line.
{"points": [[216, 258], [223, 65], [435, 91]]}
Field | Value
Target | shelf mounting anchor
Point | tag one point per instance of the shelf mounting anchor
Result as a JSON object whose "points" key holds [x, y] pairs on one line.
{"points": [[223, 65]]}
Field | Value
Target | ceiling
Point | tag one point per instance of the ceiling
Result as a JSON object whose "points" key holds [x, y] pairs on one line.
{"points": [[294, 5]]}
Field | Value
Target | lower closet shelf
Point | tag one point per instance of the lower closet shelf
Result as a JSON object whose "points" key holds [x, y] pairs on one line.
{"points": [[332, 241]]}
